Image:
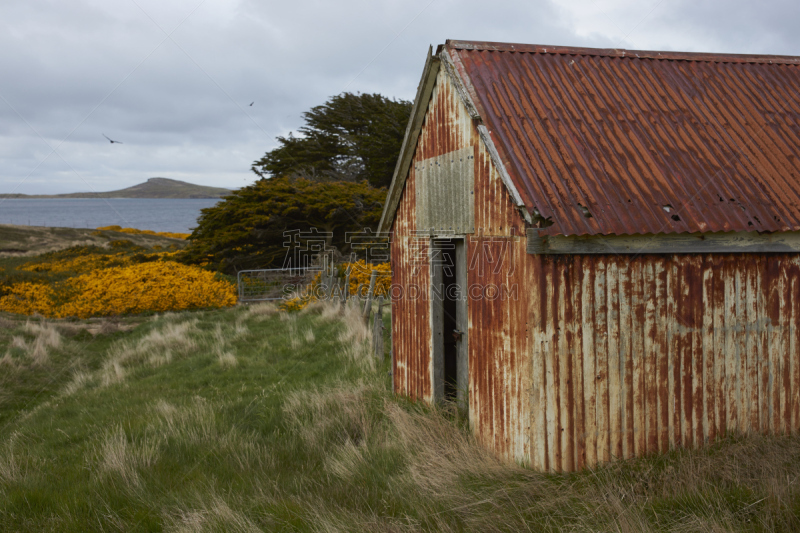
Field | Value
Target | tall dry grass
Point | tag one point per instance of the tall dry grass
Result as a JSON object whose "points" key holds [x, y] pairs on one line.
{"points": [[210, 513], [260, 311], [80, 379], [750, 483], [196, 424], [330, 312], [350, 456], [124, 457], [355, 337], [447, 464], [16, 465], [37, 350], [173, 336], [46, 337], [169, 339], [220, 344], [332, 416]]}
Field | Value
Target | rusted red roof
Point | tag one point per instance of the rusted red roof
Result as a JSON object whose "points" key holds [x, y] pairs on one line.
{"points": [[624, 142]]}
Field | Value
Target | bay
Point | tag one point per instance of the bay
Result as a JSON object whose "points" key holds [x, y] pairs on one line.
{"points": [[156, 214]]}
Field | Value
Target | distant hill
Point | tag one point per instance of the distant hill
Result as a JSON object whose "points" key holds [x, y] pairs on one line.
{"points": [[152, 188]]}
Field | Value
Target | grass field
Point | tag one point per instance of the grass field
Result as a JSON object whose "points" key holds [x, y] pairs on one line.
{"points": [[251, 419], [26, 241]]}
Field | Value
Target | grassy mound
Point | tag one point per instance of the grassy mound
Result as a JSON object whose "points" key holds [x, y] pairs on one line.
{"points": [[26, 241], [252, 419]]}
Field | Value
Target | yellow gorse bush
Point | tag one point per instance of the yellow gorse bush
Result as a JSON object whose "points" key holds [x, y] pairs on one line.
{"points": [[360, 273], [134, 231], [154, 286], [81, 264], [87, 281], [295, 304], [28, 298]]}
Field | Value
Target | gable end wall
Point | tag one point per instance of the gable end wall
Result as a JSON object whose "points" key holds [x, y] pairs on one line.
{"points": [[498, 405]]}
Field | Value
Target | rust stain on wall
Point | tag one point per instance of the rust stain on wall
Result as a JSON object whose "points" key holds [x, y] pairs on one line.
{"points": [[411, 332], [500, 370], [633, 355]]}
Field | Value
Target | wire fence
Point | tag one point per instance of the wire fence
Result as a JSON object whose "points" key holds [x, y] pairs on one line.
{"points": [[272, 283]]}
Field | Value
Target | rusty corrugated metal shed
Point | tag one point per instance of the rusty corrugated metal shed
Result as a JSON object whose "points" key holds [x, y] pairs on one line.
{"points": [[626, 142], [575, 360]]}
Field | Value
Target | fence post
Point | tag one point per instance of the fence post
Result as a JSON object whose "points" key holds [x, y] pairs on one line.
{"points": [[357, 295], [346, 292], [332, 277], [320, 289], [377, 331], [370, 292]]}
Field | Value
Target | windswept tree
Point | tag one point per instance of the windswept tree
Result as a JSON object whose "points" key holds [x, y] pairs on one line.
{"points": [[351, 137], [330, 179], [253, 227]]}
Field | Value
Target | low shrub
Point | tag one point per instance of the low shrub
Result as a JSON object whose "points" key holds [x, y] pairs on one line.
{"points": [[134, 231], [91, 281], [360, 273], [152, 286]]}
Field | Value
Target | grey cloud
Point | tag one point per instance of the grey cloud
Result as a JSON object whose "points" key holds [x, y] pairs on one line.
{"points": [[60, 59]]}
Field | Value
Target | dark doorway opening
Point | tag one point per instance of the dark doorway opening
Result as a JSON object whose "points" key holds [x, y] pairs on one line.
{"points": [[449, 307], [450, 323]]}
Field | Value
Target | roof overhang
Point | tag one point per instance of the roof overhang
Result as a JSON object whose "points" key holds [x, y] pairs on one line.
{"points": [[619, 52], [664, 243]]}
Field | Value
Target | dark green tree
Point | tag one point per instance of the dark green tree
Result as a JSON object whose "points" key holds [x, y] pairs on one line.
{"points": [[247, 229], [351, 137]]}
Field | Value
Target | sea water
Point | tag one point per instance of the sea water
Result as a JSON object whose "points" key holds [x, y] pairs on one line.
{"points": [[179, 216]]}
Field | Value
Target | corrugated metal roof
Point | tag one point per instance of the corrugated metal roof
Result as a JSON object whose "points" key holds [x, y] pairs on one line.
{"points": [[625, 142]]}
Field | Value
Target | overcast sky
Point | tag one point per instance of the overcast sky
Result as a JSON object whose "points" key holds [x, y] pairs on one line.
{"points": [[173, 80]]}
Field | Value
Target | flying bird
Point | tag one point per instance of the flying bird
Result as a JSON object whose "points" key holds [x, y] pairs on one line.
{"points": [[251, 103], [109, 139]]}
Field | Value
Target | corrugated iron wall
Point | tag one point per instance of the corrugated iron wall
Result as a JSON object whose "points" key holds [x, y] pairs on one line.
{"points": [[445, 198], [632, 355], [499, 367], [411, 327], [499, 363], [446, 129]]}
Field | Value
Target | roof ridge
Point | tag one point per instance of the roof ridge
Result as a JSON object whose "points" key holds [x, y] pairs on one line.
{"points": [[622, 53]]}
